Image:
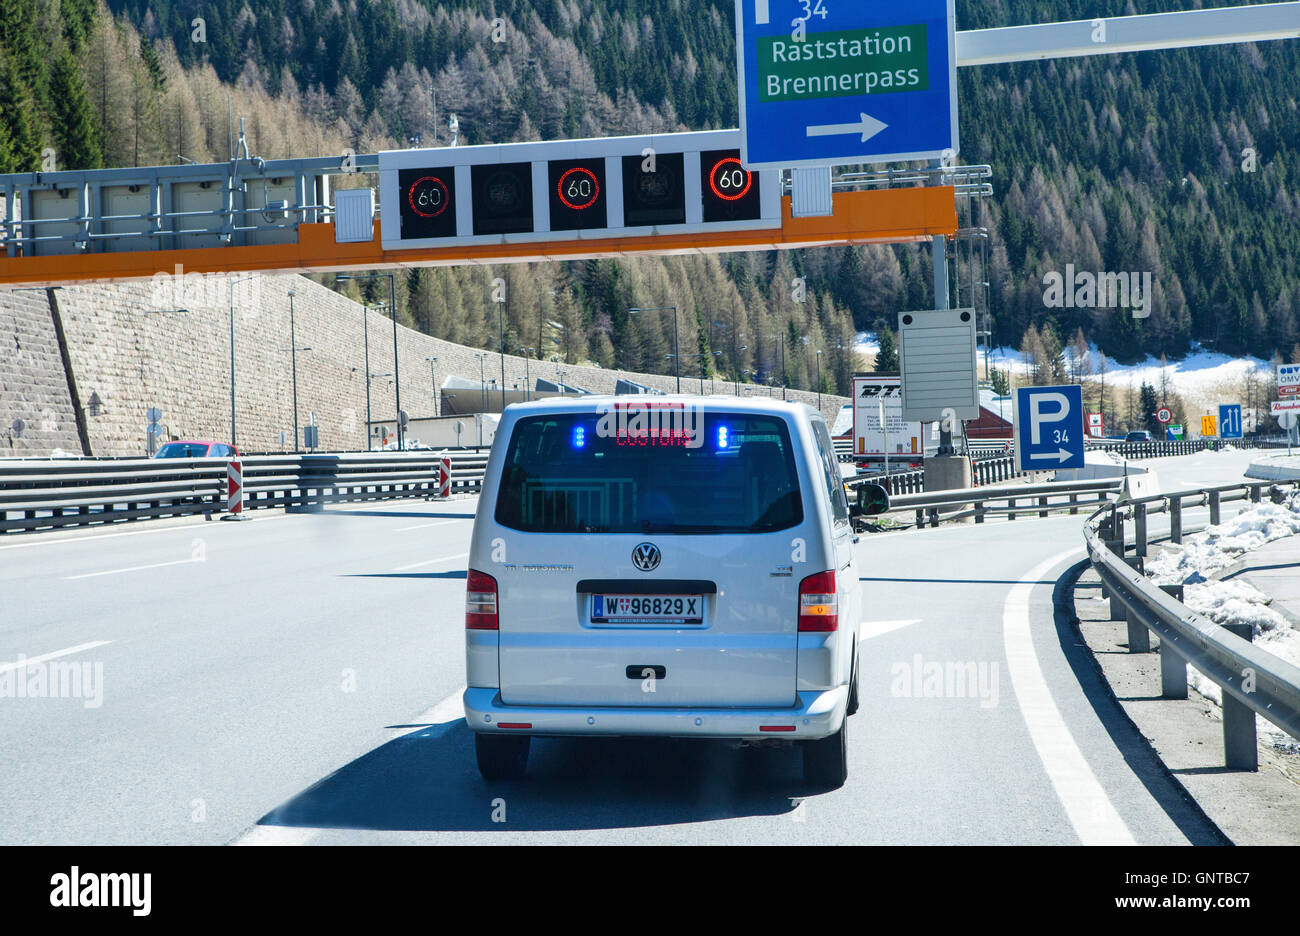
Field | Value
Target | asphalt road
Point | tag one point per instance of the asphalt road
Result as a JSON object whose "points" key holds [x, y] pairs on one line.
{"points": [[296, 679]]}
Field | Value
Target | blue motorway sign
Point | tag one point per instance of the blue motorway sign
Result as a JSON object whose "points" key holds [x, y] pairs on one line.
{"points": [[1230, 422], [1049, 427], [836, 82]]}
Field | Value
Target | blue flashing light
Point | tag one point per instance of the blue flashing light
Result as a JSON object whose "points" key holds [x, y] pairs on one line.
{"points": [[723, 437], [580, 437]]}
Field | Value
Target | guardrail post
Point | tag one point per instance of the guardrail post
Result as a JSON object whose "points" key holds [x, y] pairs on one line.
{"points": [[1011, 502], [1173, 668], [1214, 508], [920, 518], [1139, 638], [1140, 529], [979, 511], [1074, 499], [1042, 502], [1175, 520], [1254, 493], [1118, 611], [1103, 533], [1240, 743]]}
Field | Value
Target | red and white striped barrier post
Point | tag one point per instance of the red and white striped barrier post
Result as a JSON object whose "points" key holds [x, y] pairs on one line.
{"points": [[234, 490], [444, 476]]}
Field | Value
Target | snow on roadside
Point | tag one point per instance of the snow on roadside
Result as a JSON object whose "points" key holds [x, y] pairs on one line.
{"points": [[1235, 601], [1218, 547]]}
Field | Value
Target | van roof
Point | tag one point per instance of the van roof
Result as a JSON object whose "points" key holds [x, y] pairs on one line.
{"points": [[715, 403]]}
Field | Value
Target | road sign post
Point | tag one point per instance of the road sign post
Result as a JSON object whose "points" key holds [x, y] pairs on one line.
{"points": [[826, 83], [1049, 428]]}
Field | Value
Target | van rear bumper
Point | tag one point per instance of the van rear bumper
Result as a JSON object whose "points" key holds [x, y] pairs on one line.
{"points": [[817, 715]]}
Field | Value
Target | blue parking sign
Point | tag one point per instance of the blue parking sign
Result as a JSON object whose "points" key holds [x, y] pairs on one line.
{"points": [[1230, 422], [1049, 428]]}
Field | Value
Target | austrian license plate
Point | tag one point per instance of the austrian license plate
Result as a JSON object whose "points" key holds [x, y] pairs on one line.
{"points": [[647, 609]]}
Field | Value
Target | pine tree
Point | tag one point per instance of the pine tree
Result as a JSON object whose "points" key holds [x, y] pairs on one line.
{"points": [[16, 109], [74, 126], [1148, 405], [887, 356]]}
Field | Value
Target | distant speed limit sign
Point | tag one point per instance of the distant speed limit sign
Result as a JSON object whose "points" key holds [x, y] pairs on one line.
{"points": [[1164, 416]]}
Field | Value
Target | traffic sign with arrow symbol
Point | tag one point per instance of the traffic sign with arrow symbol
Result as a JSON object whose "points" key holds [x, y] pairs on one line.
{"points": [[1049, 428]]}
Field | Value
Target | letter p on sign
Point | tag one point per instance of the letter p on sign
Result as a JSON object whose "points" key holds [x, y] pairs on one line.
{"points": [[1037, 417]]}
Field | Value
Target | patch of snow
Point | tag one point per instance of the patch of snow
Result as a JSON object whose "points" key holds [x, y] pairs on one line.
{"points": [[1220, 546], [1204, 379], [867, 343], [1235, 601]]}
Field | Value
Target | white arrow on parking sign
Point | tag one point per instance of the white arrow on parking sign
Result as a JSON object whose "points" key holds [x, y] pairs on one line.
{"points": [[1062, 456]]}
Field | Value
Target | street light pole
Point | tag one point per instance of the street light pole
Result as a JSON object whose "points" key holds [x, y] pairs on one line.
{"points": [[501, 319], [397, 379], [365, 327], [293, 356], [482, 383], [528, 380], [433, 379], [233, 284], [819, 381], [397, 383]]}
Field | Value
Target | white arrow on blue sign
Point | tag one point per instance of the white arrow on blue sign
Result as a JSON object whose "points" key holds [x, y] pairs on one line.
{"points": [[1230, 422], [837, 82], [1049, 428]]}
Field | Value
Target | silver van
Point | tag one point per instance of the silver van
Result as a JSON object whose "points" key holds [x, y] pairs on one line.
{"points": [[672, 566]]}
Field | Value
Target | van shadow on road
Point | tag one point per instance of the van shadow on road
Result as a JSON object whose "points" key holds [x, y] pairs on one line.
{"points": [[427, 781]]}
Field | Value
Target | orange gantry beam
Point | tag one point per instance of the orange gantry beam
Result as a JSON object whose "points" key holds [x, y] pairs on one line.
{"points": [[881, 216]]}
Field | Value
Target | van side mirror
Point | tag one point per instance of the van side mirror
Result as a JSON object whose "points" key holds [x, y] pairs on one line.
{"points": [[872, 501]]}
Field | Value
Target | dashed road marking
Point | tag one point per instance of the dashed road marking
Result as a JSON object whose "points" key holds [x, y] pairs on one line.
{"points": [[421, 565], [31, 661], [869, 629], [139, 568]]}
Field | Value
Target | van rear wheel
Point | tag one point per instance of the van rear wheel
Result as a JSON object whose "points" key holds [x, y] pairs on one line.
{"points": [[501, 757], [826, 762]]}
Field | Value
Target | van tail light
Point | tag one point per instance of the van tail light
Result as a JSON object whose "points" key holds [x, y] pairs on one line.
{"points": [[819, 606], [480, 601]]}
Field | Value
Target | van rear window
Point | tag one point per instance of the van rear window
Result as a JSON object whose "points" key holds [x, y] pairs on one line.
{"points": [[709, 473]]}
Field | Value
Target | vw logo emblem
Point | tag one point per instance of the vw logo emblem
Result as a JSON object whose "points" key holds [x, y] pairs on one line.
{"points": [[646, 557]]}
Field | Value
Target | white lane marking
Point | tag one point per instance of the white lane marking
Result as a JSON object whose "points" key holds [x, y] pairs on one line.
{"points": [[421, 565], [869, 629], [276, 835], [449, 709], [139, 568], [1086, 804], [32, 661], [55, 541], [425, 526]]}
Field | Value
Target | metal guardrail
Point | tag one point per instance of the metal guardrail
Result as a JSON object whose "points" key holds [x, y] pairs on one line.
{"points": [[55, 494], [1253, 681], [1040, 500], [1135, 451]]}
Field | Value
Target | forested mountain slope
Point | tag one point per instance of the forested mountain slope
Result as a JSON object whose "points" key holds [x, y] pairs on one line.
{"points": [[1122, 163]]}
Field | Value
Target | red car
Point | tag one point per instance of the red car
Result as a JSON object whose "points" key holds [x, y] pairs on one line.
{"points": [[197, 450]]}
